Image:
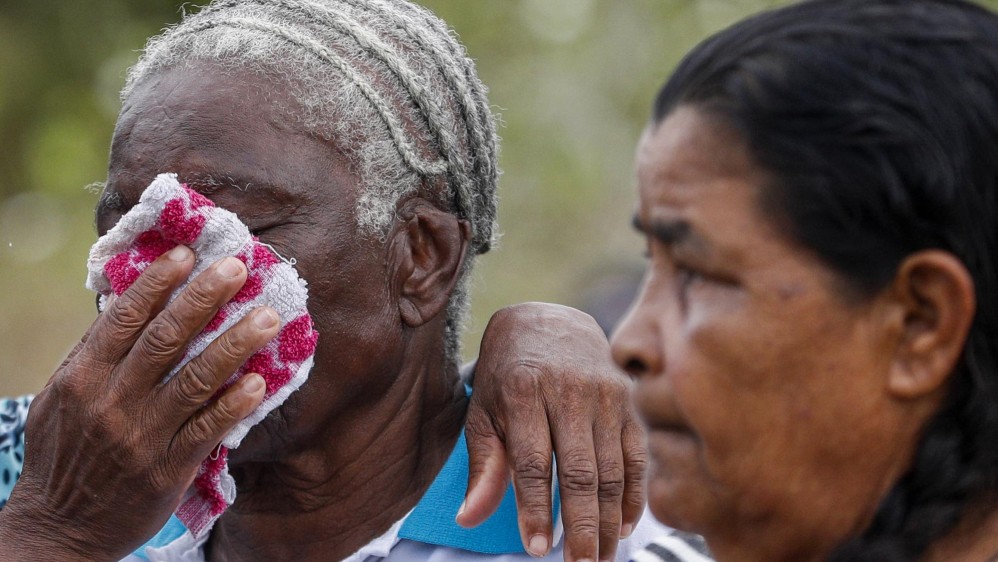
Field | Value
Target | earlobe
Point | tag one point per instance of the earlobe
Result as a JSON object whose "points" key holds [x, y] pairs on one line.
{"points": [[936, 295], [429, 249]]}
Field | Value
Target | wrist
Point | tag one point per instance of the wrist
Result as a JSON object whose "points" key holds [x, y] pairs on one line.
{"points": [[28, 534]]}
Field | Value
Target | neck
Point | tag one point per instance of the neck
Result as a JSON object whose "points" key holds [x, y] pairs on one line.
{"points": [[975, 538], [363, 475]]}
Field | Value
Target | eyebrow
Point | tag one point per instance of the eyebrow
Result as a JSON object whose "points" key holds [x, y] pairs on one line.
{"points": [[673, 232], [205, 183], [208, 183]]}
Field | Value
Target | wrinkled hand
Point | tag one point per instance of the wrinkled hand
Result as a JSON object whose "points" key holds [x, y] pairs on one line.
{"points": [[545, 381], [110, 449]]}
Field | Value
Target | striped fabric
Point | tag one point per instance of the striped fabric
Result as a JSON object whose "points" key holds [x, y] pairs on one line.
{"points": [[675, 547]]}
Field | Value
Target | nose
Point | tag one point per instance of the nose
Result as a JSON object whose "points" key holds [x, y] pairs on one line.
{"points": [[635, 344]]}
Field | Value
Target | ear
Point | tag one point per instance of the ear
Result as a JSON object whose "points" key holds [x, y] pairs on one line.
{"points": [[428, 250], [937, 302]]}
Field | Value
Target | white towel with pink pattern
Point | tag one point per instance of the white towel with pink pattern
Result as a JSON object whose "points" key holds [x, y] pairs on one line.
{"points": [[168, 214]]}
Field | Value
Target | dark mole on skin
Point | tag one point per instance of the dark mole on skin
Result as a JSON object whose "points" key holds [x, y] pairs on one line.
{"points": [[790, 291]]}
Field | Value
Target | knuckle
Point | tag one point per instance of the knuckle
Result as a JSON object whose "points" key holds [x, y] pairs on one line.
{"points": [[199, 429], [194, 384], [129, 312], [534, 512], [524, 383], [613, 392], [579, 478], [479, 429], [533, 468], [584, 527], [200, 295], [609, 528], [65, 390], [157, 278], [637, 464], [634, 498], [231, 348], [204, 427], [222, 413], [162, 338], [611, 489], [77, 388]]}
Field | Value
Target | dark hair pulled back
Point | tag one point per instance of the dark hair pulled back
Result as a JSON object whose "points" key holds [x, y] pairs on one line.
{"points": [[877, 122]]}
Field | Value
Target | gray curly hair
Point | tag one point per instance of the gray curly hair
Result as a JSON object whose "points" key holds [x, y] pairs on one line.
{"points": [[386, 79]]}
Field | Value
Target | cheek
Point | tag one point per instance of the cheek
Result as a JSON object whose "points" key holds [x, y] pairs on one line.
{"points": [[779, 399]]}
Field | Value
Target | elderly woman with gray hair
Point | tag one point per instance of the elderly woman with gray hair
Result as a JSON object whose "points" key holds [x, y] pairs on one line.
{"points": [[355, 136]]}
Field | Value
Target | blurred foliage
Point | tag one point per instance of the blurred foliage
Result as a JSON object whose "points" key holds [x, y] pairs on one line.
{"points": [[572, 80]]}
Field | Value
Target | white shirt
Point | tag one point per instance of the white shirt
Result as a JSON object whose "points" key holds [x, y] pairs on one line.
{"points": [[428, 532], [389, 547]]}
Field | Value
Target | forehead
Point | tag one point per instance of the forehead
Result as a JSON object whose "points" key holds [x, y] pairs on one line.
{"points": [[693, 167], [689, 157], [221, 128], [695, 171]]}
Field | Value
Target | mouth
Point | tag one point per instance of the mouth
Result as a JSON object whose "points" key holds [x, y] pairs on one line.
{"points": [[670, 426], [671, 431], [672, 449], [664, 418]]}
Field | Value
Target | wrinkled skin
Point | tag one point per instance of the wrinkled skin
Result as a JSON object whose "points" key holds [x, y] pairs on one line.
{"points": [[781, 407], [111, 452], [529, 397]]}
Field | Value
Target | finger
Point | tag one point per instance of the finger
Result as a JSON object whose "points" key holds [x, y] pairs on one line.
{"points": [[610, 471], [165, 339], [202, 433], [488, 473], [116, 329], [635, 452], [200, 378], [529, 439], [578, 482]]}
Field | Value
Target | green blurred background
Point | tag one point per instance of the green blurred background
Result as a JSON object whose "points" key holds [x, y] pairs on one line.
{"points": [[572, 81]]}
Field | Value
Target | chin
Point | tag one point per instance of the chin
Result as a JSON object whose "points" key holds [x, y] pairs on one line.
{"points": [[674, 502], [679, 493], [261, 442]]}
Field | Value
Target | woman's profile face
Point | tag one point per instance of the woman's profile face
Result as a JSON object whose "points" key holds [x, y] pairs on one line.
{"points": [[761, 384]]}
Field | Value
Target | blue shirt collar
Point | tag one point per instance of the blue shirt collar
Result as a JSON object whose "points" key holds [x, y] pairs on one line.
{"points": [[432, 520]]}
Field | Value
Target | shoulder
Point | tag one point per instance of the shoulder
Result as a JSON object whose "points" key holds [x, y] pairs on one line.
{"points": [[674, 546], [654, 542], [13, 415], [650, 542]]}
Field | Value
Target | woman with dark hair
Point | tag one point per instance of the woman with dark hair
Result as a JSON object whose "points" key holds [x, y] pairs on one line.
{"points": [[816, 339]]}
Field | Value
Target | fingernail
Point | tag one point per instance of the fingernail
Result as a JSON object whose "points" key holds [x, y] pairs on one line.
{"points": [[538, 546], [180, 253], [265, 318], [626, 530], [230, 267], [254, 383], [460, 510]]}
